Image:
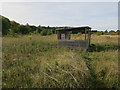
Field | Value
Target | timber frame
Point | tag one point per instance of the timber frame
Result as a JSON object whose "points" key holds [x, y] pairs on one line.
{"points": [[64, 36]]}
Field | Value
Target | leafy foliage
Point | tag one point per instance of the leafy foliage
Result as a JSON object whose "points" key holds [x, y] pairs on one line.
{"points": [[14, 26], [79, 34], [49, 32], [43, 32], [24, 29], [18, 29], [5, 25]]}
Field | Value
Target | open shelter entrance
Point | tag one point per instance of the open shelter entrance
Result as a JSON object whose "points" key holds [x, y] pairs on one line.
{"points": [[64, 36]]}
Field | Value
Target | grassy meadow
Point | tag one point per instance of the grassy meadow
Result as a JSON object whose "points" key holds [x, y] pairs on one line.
{"points": [[36, 62]]}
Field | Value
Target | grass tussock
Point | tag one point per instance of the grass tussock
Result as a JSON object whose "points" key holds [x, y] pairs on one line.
{"points": [[36, 62]]}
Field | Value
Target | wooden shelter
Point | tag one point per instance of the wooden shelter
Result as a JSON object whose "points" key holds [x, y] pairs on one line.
{"points": [[64, 36]]}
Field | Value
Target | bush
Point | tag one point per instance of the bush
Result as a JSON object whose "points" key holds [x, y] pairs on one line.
{"points": [[99, 33], [112, 33], [106, 33], [12, 33], [79, 34], [43, 32], [36, 31], [49, 32], [24, 29]]}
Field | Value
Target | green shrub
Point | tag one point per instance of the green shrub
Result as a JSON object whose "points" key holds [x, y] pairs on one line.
{"points": [[36, 31], [79, 34], [43, 32], [112, 33], [49, 32], [106, 33], [12, 33], [99, 33], [24, 29]]}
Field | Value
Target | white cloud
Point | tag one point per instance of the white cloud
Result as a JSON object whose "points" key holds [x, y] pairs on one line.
{"points": [[97, 15]]}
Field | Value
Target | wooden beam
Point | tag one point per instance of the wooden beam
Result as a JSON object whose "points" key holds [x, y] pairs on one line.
{"points": [[58, 35], [85, 34], [69, 35], [89, 36]]}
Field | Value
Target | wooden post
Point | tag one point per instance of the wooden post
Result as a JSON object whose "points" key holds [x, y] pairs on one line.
{"points": [[85, 34], [69, 34], [58, 35], [89, 35], [66, 35]]}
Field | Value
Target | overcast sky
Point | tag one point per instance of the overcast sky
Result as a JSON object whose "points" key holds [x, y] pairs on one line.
{"points": [[59, 0], [98, 15]]}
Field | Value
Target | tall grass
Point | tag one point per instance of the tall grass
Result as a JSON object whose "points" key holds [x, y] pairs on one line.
{"points": [[36, 62]]}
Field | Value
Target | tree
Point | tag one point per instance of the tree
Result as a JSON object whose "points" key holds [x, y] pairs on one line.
{"points": [[23, 29], [99, 33], [49, 32], [118, 32], [106, 31], [36, 31], [48, 27], [111, 31], [43, 32], [12, 33], [33, 28], [102, 33], [14, 26], [40, 29], [5, 25]]}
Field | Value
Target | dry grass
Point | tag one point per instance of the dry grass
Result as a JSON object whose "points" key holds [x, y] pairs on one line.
{"points": [[36, 62]]}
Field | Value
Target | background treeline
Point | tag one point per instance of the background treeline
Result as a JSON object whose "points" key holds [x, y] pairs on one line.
{"points": [[106, 32], [12, 28]]}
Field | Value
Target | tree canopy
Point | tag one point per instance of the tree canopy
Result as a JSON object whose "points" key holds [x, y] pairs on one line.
{"points": [[5, 25], [12, 27]]}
